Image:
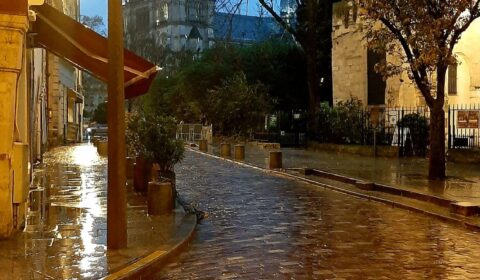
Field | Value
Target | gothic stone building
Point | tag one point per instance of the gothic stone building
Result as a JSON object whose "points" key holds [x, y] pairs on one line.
{"points": [[176, 25]]}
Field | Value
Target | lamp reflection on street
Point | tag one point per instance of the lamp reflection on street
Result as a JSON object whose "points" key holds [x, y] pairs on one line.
{"points": [[85, 155]]}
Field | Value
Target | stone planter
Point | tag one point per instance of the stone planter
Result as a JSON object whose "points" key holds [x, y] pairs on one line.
{"points": [[168, 175], [160, 198]]}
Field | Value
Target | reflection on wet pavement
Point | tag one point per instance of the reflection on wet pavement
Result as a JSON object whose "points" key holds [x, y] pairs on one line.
{"points": [[68, 213], [265, 227], [463, 183], [65, 235]]}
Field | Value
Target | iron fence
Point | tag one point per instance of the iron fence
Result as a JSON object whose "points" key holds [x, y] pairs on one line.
{"points": [[287, 128], [463, 126], [406, 128]]}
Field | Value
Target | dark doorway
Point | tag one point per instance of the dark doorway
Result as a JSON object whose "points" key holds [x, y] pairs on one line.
{"points": [[376, 84]]}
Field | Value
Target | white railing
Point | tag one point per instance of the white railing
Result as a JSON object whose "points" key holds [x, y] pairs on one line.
{"points": [[194, 132]]}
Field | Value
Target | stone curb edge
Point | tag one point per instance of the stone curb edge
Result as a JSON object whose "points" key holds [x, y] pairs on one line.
{"points": [[153, 262], [392, 203]]}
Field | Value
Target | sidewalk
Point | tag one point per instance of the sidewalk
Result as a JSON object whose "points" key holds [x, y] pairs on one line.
{"points": [[463, 183], [65, 236], [401, 182]]}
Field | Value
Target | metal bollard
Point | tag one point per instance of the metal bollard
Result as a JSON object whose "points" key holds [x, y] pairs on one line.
{"points": [[275, 160], [160, 198], [203, 145], [102, 148], [239, 152], [225, 150]]}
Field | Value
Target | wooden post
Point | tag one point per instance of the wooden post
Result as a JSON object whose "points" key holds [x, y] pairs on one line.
{"points": [[239, 152], [225, 150], [275, 160], [116, 199]]}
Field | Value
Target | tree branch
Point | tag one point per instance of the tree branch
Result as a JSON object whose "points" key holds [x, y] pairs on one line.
{"points": [[419, 75], [278, 18]]}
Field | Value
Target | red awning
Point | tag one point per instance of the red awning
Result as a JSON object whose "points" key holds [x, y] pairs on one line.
{"points": [[88, 50]]}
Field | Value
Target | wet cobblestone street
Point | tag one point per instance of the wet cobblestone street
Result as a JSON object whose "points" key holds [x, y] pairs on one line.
{"points": [[261, 226]]}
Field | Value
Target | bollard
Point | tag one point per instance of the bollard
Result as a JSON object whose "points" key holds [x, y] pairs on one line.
{"points": [[275, 160], [225, 150], [95, 141], [102, 148], [203, 145], [239, 152], [160, 198], [129, 168], [140, 179]]}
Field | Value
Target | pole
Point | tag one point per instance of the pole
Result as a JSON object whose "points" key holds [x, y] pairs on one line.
{"points": [[116, 197]]}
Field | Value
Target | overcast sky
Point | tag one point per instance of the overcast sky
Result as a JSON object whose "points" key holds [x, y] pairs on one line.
{"points": [[93, 8]]}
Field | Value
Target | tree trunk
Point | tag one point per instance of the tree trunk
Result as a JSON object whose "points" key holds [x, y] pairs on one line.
{"points": [[325, 48], [437, 168], [313, 90], [315, 37]]}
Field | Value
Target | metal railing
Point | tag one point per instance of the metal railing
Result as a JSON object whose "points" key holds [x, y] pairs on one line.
{"points": [[194, 132], [406, 127]]}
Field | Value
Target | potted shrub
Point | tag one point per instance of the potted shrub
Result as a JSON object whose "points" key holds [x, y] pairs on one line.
{"points": [[153, 139]]}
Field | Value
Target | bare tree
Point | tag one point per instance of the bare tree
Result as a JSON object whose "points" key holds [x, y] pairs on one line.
{"points": [[425, 32]]}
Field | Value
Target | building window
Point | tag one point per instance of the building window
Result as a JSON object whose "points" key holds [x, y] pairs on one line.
{"points": [[191, 10], [142, 19], [161, 14], [452, 78]]}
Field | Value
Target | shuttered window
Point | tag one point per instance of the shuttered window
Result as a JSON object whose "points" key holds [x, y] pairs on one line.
{"points": [[452, 79]]}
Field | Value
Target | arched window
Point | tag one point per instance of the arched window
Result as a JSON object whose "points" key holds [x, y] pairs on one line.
{"points": [[452, 79]]}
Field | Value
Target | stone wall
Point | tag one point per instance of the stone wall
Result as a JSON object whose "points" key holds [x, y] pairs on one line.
{"points": [[12, 44], [349, 57]]}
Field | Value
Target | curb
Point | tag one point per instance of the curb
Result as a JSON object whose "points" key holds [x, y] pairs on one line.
{"points": [[392, 203], [145, 266]]}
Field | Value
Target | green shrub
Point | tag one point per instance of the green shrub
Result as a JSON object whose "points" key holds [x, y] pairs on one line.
{"points": [[342, 123], [153, 137]]}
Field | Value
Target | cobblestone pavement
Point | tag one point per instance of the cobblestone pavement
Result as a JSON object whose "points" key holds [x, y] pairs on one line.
{"points": [[261, 226]]}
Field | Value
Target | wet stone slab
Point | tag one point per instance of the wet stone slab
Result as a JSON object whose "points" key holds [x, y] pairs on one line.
{"points": [[462, 184], [65, 236], [265, 227]]}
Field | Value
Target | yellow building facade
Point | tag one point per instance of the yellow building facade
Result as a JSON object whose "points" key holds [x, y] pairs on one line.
{"points": [[13, 116], [39, 92], [354, 76]]}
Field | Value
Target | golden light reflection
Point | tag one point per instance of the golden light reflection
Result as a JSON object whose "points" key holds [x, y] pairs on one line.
{"points": [[89, 201], [85, 155]]}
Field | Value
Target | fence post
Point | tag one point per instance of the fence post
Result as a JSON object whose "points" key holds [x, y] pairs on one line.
{"points": [[449, 128]]}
